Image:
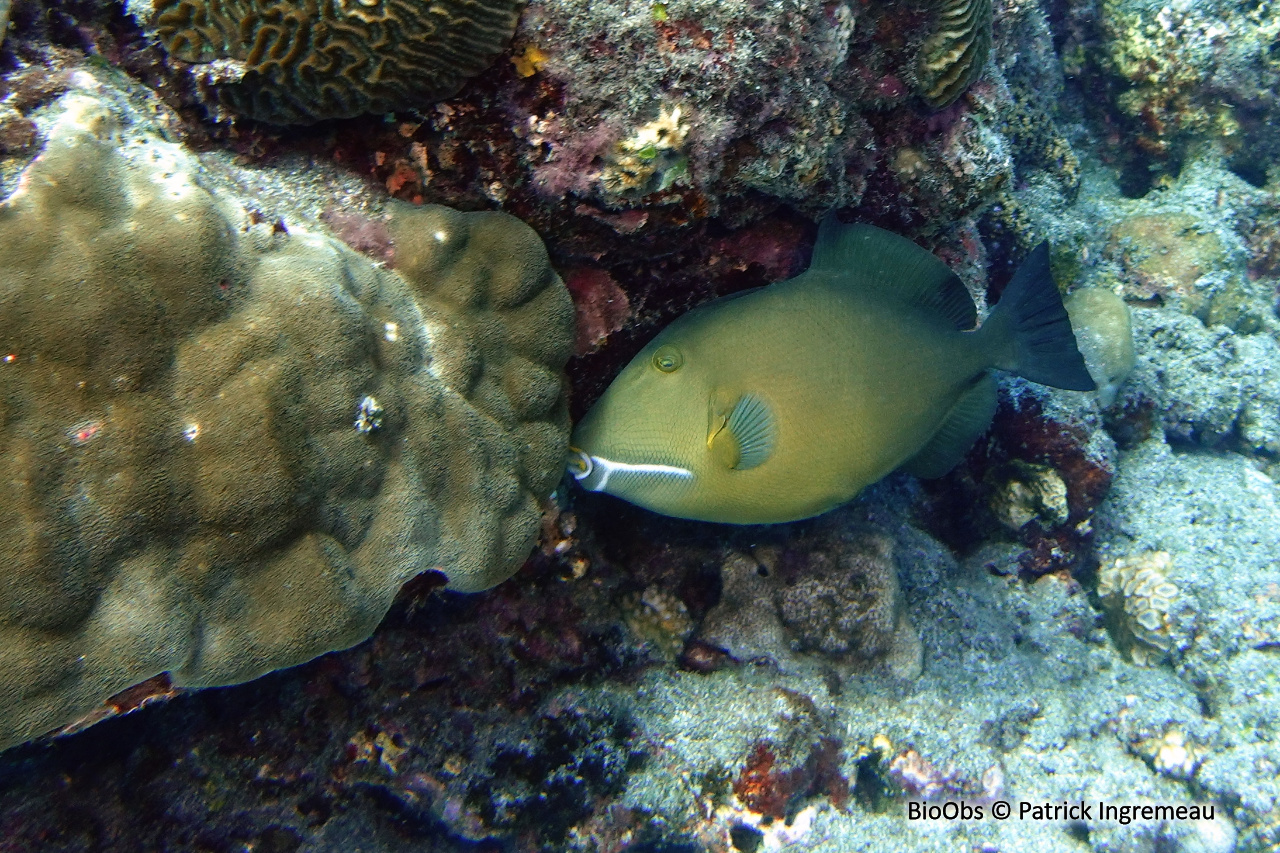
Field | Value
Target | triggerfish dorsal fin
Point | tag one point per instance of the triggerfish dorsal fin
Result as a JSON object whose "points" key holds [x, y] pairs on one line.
{"points": [[968, 419], [894, 268], [746, 438]]}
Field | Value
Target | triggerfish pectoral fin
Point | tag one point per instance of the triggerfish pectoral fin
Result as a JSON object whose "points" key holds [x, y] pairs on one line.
{"points": [[746, 439]]}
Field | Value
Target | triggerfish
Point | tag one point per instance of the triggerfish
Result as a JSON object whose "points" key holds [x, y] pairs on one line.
{"points": [[786, 401]]}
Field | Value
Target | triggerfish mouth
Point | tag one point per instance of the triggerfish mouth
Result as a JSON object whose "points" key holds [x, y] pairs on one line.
{"points": [[787, 401]]}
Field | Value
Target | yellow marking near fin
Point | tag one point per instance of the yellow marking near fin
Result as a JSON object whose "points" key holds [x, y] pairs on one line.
{"points": [[724, 446]]}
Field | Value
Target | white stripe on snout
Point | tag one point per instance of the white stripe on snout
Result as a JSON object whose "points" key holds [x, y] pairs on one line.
{"points": [[608, 467]]}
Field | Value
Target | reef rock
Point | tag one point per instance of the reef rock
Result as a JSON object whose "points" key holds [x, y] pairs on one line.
{"points": [[834, 593], [227, 446]]}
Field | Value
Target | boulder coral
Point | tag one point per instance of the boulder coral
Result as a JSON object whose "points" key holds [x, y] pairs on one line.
{"points": [[225, 446], [1104, 333]]}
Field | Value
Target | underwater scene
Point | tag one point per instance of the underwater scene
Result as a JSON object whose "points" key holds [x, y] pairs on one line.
{"points": [[663, 426]]}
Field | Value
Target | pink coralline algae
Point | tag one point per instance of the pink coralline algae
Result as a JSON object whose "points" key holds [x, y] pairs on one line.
{"points": [[601, 306], [365, 234]]}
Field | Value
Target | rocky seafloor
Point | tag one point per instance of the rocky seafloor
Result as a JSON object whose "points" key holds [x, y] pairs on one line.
{"points": [[1086, 610]]}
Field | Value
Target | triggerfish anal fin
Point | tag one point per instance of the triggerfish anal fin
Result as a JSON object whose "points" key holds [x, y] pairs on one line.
{"points": [[892, 267], [968, 419], [746, 439]]}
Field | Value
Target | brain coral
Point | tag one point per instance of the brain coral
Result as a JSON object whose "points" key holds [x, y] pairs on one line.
{"points": [[300, 61], [225, 450], [955, 51]]}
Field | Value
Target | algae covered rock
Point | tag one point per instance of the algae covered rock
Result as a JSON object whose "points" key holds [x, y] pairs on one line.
{"points": [[225, 449], [834, 592]]}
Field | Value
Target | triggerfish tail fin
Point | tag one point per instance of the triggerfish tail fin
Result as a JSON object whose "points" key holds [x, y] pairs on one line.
{"points": [[1030, 332]]}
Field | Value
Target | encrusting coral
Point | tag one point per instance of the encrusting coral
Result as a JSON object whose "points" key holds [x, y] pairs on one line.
{"points": [[225, 449], [292, 62]]}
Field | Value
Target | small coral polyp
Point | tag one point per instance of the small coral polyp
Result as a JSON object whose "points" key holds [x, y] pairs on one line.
{"points": [[227, 449], [652, 159]]}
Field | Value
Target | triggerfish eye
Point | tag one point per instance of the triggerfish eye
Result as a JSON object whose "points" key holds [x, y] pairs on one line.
{"points": [[668, 359]]}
